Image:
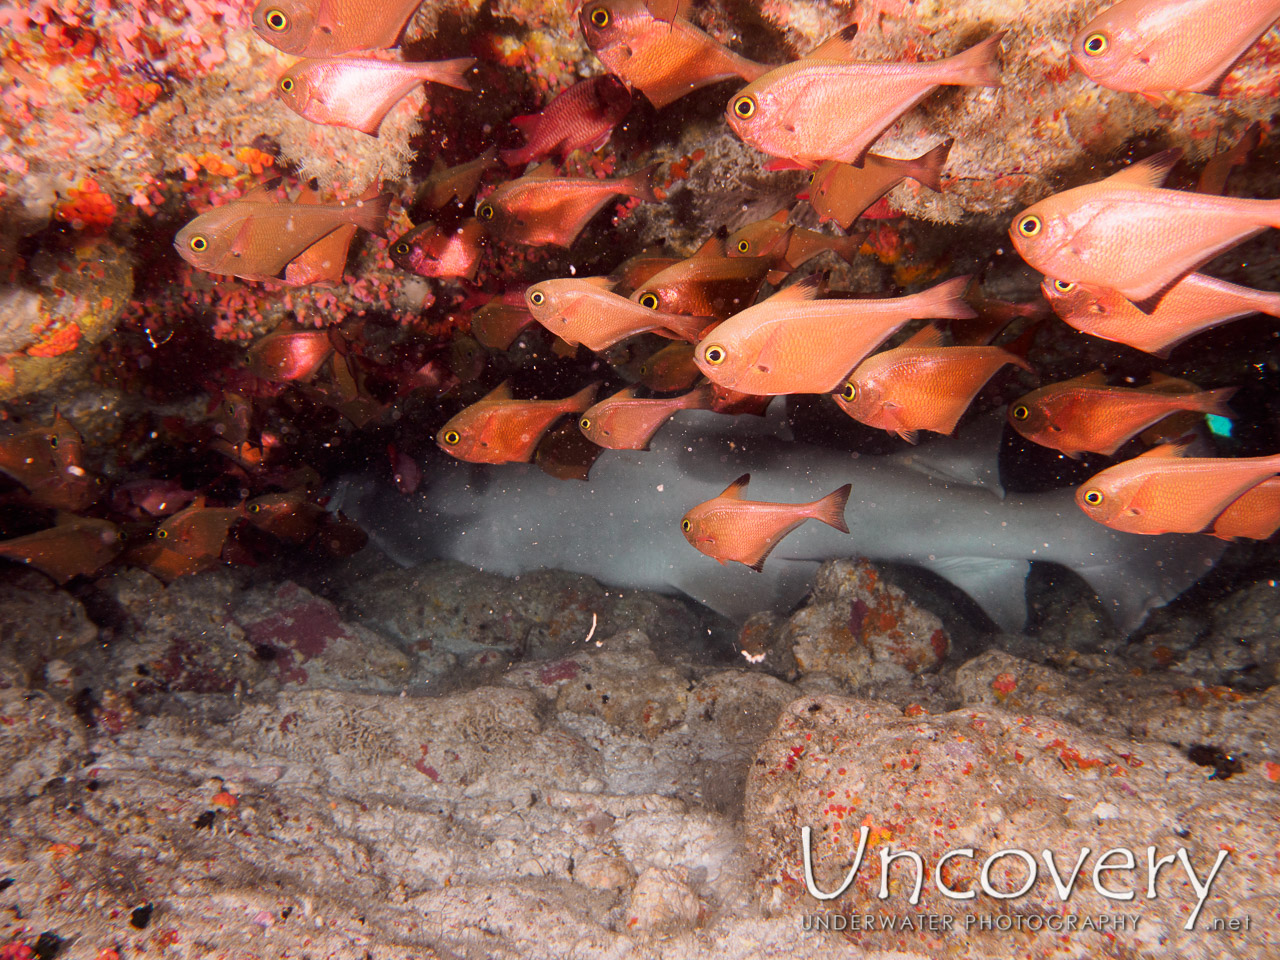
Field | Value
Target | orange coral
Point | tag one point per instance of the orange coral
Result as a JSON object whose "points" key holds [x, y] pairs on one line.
{"points": [[60, 341], [87, 207]]}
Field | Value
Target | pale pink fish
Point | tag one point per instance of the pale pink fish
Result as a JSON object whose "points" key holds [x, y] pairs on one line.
{"points": [[627, 422], [1161, 46], [829, 106], [358, 93], [1194, 304], [1127, 233], [585, 310]]}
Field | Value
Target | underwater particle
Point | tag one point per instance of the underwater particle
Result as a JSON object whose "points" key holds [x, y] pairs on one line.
{"points": [[1219, 426]]}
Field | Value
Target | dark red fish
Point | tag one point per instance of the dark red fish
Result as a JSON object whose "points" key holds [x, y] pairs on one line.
{"points": [[454, 183], [49, 463], [188, 542], [405, 471], [145, 499], [497, 324], [79, 546], [288, 355], [581, 117], [429, 251], [290, 515]]}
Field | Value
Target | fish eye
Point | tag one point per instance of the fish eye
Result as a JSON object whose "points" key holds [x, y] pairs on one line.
{"points": [[537, 298], [812, 177], [743, 246], [53, 441], [1030, 225], [715, 354], [276, 20], [850, 391], [1063, 286], [255, 508], [1095, 45], [1093, 497], [198, 243], [585, 423], [162, 534], [744, 108], [686, 526], [402, 248], [649, 301], [644, 369], [1021, 412], [485, 212], [452, 438], [600, 17], [286, 84]]}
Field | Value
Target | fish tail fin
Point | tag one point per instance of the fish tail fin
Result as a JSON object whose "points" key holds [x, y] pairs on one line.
{"points": [[977, 66], [371, 214], [641, 183], [1267, 302], [1214, 402], [945, 301], [926, 169], [846, 248], [684, 327], [451, 73], [701, 397], [581, 400], [830, 509], [517, 156]]}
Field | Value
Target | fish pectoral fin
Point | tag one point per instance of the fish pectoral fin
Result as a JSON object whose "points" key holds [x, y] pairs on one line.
{"points": [[997, 586], [1148, 304], [240, 243]]}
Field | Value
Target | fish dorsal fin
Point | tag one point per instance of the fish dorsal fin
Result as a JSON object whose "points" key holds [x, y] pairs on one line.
{"points": [[1163, 383], [626, 393], [735, 490], [1094, 378], [261, 193], [1165, 451], [806, 289], [925, 338], [543, 171], [308, 195], [526, 123], [667, 11], [1150, 172], [498, 394], [713, 247], [604, 283], [838, 46], [781, 216]]}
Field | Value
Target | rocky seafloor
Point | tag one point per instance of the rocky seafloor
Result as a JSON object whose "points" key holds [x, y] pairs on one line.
{"points": [[438, 762]]}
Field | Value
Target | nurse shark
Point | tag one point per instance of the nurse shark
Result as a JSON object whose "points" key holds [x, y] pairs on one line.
{"points": [[939, 507]]}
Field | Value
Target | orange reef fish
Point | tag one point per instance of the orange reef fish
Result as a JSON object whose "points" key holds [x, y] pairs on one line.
{"points": [[761, 238], [429, 251], [625, 422], [290, 515], [581, 117], [325, 260], [1085, 415], [658, 52], [358, 93], [709, 284], [1255, 515], [829, 106], [255, 238], [459, 183], [287, 355], [329, 28], [500, 429], [1160, 46], [921, 385], [728, 527], [1127, 233], [189, 541], [671, 368], [1192, 305], [792, 343], [842, 192], [77, 546], [635, 271], [1160, 493], [49, 463], [584, 310], [541, 208], [497, 324]]}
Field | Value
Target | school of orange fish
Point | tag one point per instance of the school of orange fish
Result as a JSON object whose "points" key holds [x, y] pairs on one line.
{"points": [[1119, 257]]}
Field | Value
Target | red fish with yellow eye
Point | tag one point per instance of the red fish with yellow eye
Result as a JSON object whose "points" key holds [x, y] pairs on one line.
{"points": [[497, 324], [429, 251], [358, 93], [1159, 492], [1155, 47], [581, 117], [831, 106], [541, 209], [189, 541], [843, 192], [729, 527], [1254, 515], [921, 385], [500, 429], [289, 515], [330, 28], [460, 182], [49, 463], [584, 310], [653, 48], [671, 368], [709, 284], [1084, 415], [1192, 305], [77, 546], [256, 237], [1129, 234], [627, 422], [633, 272], [764, 237]]}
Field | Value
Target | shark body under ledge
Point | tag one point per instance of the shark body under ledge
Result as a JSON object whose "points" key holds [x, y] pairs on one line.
{"points": [[930, 508]]}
